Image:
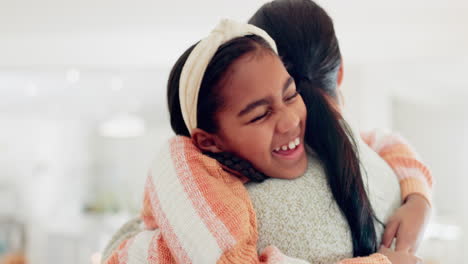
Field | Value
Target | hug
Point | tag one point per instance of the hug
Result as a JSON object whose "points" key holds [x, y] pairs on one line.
{"points": [[265, 167]]}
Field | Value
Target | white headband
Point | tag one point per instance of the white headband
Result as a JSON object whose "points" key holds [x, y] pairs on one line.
{"points": [[198, 60]]}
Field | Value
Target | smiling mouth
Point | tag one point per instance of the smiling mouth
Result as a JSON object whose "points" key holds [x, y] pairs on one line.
{"points": [[292, 145], [291, 151], [290, 154]]}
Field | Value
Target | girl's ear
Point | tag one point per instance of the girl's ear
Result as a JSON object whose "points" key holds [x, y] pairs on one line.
{"points": [[205, 141]]}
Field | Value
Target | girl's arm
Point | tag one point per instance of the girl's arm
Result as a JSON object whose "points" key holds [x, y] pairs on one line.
{"points": [[195, 212], [408, 223], [414, 177]]}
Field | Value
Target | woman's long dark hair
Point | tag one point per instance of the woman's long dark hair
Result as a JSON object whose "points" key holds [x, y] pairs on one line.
{"points": [[308, 46]]}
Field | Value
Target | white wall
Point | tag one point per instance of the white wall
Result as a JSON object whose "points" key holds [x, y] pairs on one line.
{"points": [[147, 33]]}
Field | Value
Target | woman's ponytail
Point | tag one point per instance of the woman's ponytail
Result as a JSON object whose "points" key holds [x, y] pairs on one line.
{"points": [[331, 138]]}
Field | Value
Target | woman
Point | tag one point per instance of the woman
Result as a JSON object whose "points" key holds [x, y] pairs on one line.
{"points": [[240, 100], [308, 46]]}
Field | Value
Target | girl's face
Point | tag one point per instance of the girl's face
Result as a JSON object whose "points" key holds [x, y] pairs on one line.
{"points": [[263, 116]]}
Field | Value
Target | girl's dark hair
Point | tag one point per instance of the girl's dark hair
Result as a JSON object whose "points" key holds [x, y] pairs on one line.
{"points": [[217, 72], [308, 46]]}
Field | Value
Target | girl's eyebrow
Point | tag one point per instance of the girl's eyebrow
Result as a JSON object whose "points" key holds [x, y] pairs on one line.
{"points": [[287, 83], [263, 101], [253, 105]]}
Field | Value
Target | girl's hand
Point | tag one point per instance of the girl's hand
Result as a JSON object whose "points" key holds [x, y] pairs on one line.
{"points": [[399, 257], [407, 224]]}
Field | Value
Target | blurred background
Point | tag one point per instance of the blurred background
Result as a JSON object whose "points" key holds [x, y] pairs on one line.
{"points": [[82, 108]]}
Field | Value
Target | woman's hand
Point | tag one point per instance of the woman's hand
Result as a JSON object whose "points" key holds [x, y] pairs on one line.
{"points": [[399, 257], [407, 224]]}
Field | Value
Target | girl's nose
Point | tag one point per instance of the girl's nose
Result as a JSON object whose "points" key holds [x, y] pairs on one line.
{"points": [[289, 121]]}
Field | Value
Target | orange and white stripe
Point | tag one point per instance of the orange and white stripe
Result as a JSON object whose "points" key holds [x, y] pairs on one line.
{"points": [[380, 140], [196, 195], [413, 175], [184, 212], [137, 251]]}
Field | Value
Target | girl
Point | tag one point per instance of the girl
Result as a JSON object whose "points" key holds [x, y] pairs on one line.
{"points": [[219, 93]]}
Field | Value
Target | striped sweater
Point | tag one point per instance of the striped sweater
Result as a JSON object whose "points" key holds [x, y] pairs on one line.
{"points": [[196, 212]]}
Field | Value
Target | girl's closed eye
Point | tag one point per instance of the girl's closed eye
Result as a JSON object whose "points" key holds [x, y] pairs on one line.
{"points": [[268, 112], [290, 98], [258, 118]]}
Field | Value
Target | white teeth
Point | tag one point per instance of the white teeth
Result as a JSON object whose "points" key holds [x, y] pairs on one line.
{"points": [[292, 145]]}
